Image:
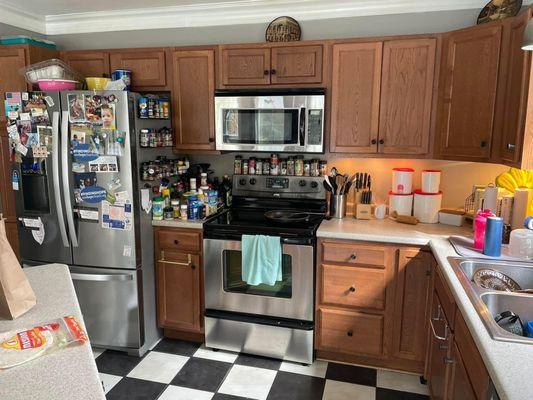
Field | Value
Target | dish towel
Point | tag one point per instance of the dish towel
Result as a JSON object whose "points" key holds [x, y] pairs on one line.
{"points": [[261, 259]]}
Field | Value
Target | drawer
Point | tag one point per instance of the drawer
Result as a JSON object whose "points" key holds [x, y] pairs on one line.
{"points": [[350, 332], [355, 254], [169, 239], [446, 298], [353, 286]]}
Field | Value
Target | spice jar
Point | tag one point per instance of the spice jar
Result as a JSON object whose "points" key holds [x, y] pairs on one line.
{"points": [[323, 167], [251, 166], [168, 213], [299, 166], [245, 167], [307, 168], [203, 179], [237, 165], [290, 166], [283, 166], [258, 166], [274, 164], [266, 166], [314, 167], [183, 212], [175, 204]]}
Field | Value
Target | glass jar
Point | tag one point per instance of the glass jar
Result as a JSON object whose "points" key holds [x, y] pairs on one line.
{"points": [[203, 179], [183, 212], [175, 204], [266, 166], [290, 166], [299, 166], [251, 166], [144, 139], [259, 166], [274, 164], [237, 165], [315, 171], [323, 167], [283, 166], [245, 167]]}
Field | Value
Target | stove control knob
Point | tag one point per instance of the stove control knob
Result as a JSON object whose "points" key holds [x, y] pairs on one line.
{"points": [[314, 184], [242, 181], [253, 181], [302, 183]]}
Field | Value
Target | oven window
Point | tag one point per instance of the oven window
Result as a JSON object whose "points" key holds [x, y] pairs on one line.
{"points": [[234, 284], [260, 126]]}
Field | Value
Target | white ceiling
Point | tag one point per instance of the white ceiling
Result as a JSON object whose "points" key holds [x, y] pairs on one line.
{"points": [[53, 17]]}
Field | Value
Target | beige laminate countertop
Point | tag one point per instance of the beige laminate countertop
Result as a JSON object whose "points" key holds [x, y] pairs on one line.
{"points": [[68, 374], [179, 224], [510, 365]]}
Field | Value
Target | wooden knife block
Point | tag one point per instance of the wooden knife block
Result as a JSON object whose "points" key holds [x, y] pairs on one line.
{"points": [[363, 211]]}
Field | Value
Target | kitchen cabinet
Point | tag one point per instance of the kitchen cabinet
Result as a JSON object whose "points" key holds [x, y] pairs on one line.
{"points": [[467, 106], [193, 99], [88, 63], [517, 66], [406, 96], [271, 65], [372, 304], [381, 96], [147, 66], [179, 280], [413, 282], [12, 58]]}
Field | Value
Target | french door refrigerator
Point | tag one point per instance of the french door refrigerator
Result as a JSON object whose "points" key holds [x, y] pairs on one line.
{"points": [[77, 195]]}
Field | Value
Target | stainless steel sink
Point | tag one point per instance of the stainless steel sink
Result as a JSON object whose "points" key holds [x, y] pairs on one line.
{"points": [[489, 303]]}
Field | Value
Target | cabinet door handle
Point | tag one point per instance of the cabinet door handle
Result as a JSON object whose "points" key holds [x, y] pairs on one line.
{"points": [[447, 360], [176, 241], [437, 318], [443, 338], [353, 256], [373, 141], [510, 146], [349, 333], [483, 143], [352, 289], [266, 72], [381, 141], [211, 140], [273, 71], [183, 264]]}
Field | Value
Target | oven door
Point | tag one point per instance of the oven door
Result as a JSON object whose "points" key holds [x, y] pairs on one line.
{"points": [[273, 123], [292, 297]]}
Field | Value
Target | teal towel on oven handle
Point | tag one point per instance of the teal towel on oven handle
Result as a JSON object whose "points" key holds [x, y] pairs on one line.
{"points": [[261, 259]]}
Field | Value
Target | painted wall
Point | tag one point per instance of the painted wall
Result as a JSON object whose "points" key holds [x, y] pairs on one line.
{"points": [[456, 181], [248, 33], [7, 30]]}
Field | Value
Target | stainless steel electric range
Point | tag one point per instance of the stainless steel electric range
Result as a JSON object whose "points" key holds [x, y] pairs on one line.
{"points": [[274, 321]]}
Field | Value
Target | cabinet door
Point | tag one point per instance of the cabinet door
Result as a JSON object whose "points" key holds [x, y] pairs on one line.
{"points": [[88, 63], [178, 291], [7, 199], [11, 60], [355, 90], [193, 95], [406, 96], [460, 386], [412, 304], [245, 66], [467, 102], [517, 82], [297, 64], [439, 351], [147, 68], [13, 237]]}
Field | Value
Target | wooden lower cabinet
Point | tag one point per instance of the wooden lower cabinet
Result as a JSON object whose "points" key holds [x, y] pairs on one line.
{"points": [[372, 304], [179, 277]]}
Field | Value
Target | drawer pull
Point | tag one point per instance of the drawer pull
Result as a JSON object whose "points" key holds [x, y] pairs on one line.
{"points": [[448, 360], [437, 318], [352, 289], [353, 256], [510, 146], [183, 264], [349, 333], [176, 241], [443, 338]]}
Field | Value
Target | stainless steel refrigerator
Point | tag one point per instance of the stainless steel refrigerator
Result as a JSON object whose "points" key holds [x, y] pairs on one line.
{"points": [[75, 175]]}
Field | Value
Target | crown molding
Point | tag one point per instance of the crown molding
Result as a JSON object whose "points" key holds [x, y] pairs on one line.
{"points": [[14, 16], [235, 12]]}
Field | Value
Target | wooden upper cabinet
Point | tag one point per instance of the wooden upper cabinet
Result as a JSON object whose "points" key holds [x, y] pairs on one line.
{"points": [[88, 63], [11, 60], [406, 96], [468, 92], [148, 68], [516, 92], [245, 66], [193, 99], [412, 304], [356, 82], [296, 64]]}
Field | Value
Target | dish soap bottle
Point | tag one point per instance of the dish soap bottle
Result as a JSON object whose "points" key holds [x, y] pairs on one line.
{"points": [[480, 223]]}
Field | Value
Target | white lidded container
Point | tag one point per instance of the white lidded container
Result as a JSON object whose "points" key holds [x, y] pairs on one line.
{"points": [[431, 180], [402, 180], [426, 206], [401, 203], [521, 244], [451, 217]]}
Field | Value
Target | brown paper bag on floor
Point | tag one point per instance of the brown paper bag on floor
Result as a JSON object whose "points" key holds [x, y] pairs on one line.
{"points": [[16, 294]]}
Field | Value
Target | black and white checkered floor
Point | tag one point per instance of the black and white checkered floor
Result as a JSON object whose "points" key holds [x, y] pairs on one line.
{"points": [[177, 370]]}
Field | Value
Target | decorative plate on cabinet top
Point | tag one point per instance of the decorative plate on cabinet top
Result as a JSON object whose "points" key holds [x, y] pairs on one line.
{"points": [[499, 9], [283, 29]]}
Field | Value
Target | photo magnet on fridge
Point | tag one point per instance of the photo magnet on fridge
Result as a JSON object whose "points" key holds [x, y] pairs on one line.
{"points": [[86, 179], [13, 105], [45, 136], [108, 116], [93, 105], [24, 128], [33, 139], [76, 107]]}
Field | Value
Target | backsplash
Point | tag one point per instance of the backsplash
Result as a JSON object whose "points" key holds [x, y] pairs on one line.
{"points": [[456, 182]]}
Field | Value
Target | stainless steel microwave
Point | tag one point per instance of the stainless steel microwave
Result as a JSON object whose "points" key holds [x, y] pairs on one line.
{"points": [[270, 120]]}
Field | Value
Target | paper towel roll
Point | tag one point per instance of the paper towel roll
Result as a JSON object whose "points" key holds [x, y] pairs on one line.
{"points": [[522, 197], [490, 198]]}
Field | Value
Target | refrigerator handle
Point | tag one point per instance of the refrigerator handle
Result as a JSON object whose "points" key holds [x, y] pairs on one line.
{"points": [[65, 171], [55, 175], [101, 277]]}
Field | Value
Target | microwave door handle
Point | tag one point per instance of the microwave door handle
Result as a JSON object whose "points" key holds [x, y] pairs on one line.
{"points": [[301, 125], [65, 171], [55, 175]]}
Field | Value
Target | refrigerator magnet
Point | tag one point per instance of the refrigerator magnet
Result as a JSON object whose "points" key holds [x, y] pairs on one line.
{"points": [[13, 105], [24, 128], [76, 107], [15, 180], [93, 194], [89, 214], [83, 180], [13, 132], [83, 153], [49, 101], [45, 136], [39, 151], [78, 168], [93, 111], [108, 116], [20, 148], [33, 139]]}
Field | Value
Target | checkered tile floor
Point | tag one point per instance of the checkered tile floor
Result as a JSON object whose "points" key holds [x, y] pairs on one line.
{"points": [[177, 370]]}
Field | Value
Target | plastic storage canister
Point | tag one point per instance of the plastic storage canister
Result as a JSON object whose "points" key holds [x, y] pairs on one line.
{"points": [[402, 180], [480, 223], [426, 206], [401, 203], [493, 237], [521, 244], [431, 180], [157, 208]]}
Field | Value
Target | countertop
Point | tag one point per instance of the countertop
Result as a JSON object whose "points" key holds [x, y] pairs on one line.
{"points": [[67, 374], [177, 223], [509, 364]]}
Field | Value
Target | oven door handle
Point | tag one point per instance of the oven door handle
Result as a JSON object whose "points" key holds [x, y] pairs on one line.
{"points": [[301, 125]]}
